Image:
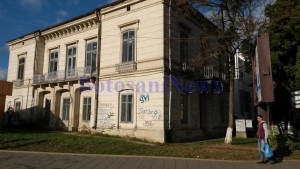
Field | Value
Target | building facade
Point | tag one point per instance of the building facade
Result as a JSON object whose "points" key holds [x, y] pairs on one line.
{"points": [[108, 71], [243, 107]]}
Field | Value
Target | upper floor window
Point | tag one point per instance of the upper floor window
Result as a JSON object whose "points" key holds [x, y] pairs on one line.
{"points": [[21, 69], [184, 45], [126, 108], [71, 61], [128, 46], [53, 61], [91, 56]]}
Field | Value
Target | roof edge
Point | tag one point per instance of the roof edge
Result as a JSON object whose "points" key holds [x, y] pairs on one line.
{"points": [[67, 21]]}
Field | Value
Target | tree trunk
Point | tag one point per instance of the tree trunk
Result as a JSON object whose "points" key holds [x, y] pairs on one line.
{"points": [[228, 138]]}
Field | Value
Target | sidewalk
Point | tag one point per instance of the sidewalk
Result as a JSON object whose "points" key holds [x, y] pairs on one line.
{"points": [[35, 160]]}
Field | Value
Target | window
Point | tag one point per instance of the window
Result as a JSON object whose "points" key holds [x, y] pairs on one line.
{"points": [[53, 60], [126, 108], [21, 69], [91, 55], [17, 109], [128, 46], [71, 61], [184, 45], [66, 109], [86, 112], [184, 109]]}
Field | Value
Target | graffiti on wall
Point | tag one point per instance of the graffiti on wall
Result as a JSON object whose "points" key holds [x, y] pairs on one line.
{"points": [[105, 115], [144, 98], [149, 116]]}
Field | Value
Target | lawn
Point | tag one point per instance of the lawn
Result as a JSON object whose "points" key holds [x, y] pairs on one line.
{"points": [[241, 149]]}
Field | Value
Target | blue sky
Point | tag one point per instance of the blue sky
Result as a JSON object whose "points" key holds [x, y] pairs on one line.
{"points": [[18, 17]]}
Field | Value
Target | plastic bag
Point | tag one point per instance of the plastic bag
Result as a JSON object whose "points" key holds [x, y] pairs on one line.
{"points": [[268, 151]]}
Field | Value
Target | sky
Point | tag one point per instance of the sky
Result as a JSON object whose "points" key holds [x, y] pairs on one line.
{"points": [[19, 17]]}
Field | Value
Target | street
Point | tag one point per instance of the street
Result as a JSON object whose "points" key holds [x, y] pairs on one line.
{"points": [[35, 160]]}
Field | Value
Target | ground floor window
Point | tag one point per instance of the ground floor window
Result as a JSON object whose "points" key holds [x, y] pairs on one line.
{"points": [[86, 111], [17, 109], [126, 108], [66, 109], [184, 109]]}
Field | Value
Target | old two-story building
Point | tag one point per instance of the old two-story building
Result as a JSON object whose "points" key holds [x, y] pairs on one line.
{"points": [[109, 71]]}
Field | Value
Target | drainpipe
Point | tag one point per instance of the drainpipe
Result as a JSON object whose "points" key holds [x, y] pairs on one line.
{"points": [[98, 68], [36, 34], [170, 65], [27, 93]]}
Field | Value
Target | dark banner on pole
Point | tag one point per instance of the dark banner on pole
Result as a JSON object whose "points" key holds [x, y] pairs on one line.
{"points": [[262, 71]]}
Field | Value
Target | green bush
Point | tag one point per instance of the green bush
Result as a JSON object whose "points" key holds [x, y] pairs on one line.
{"points": [[281, 141], [292, 144]]}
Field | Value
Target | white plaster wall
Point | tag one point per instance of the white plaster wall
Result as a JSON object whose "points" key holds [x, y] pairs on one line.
{"points": [[149, 36]]}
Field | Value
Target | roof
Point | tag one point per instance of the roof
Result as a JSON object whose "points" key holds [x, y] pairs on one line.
{"points": [[69, 20]]}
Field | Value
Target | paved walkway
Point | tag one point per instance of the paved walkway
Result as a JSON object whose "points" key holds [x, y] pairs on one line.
{"points": [[29, 160]]}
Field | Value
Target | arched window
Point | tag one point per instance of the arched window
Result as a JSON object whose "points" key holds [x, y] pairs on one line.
{"points": [[128, 46]]}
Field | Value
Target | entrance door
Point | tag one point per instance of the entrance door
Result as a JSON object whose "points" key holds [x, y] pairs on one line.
{"points": [[71, 62]]}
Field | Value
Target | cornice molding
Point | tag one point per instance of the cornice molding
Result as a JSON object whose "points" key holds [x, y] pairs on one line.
{"points": [[71, 30]]}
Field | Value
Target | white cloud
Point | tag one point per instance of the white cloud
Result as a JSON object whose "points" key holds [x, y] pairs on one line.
{"points": [[61, 15], [3, 74], [32, 5]]}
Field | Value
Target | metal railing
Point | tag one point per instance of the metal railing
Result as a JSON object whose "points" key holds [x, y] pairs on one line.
{"points": [[240, 74], [210, 72], [64, 75], [19, 83]]}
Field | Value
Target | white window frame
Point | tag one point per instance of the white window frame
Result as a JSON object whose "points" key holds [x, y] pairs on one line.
{"points": [[72, 72], [18, 111], [53, 61], [86, 116], [127, 104], [93, 51], [19, 64], [63, 109], [128, 40]]}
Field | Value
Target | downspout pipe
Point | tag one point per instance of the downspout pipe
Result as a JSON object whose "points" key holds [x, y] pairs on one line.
{"points": [[170, 66], [36, 34], [98, 15]]}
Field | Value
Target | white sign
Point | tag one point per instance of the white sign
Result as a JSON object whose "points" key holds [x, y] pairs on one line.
{"points": [[240, 125], [249, 123]]}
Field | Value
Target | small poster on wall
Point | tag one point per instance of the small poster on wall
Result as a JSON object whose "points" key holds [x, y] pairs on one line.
{"points": [[240, 125]]}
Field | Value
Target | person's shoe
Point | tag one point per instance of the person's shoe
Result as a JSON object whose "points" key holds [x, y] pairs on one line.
{"points": [[273, 161], [260, 162]]}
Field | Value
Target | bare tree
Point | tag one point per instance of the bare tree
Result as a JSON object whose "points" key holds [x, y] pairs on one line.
{"points": [[237, 22]]}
